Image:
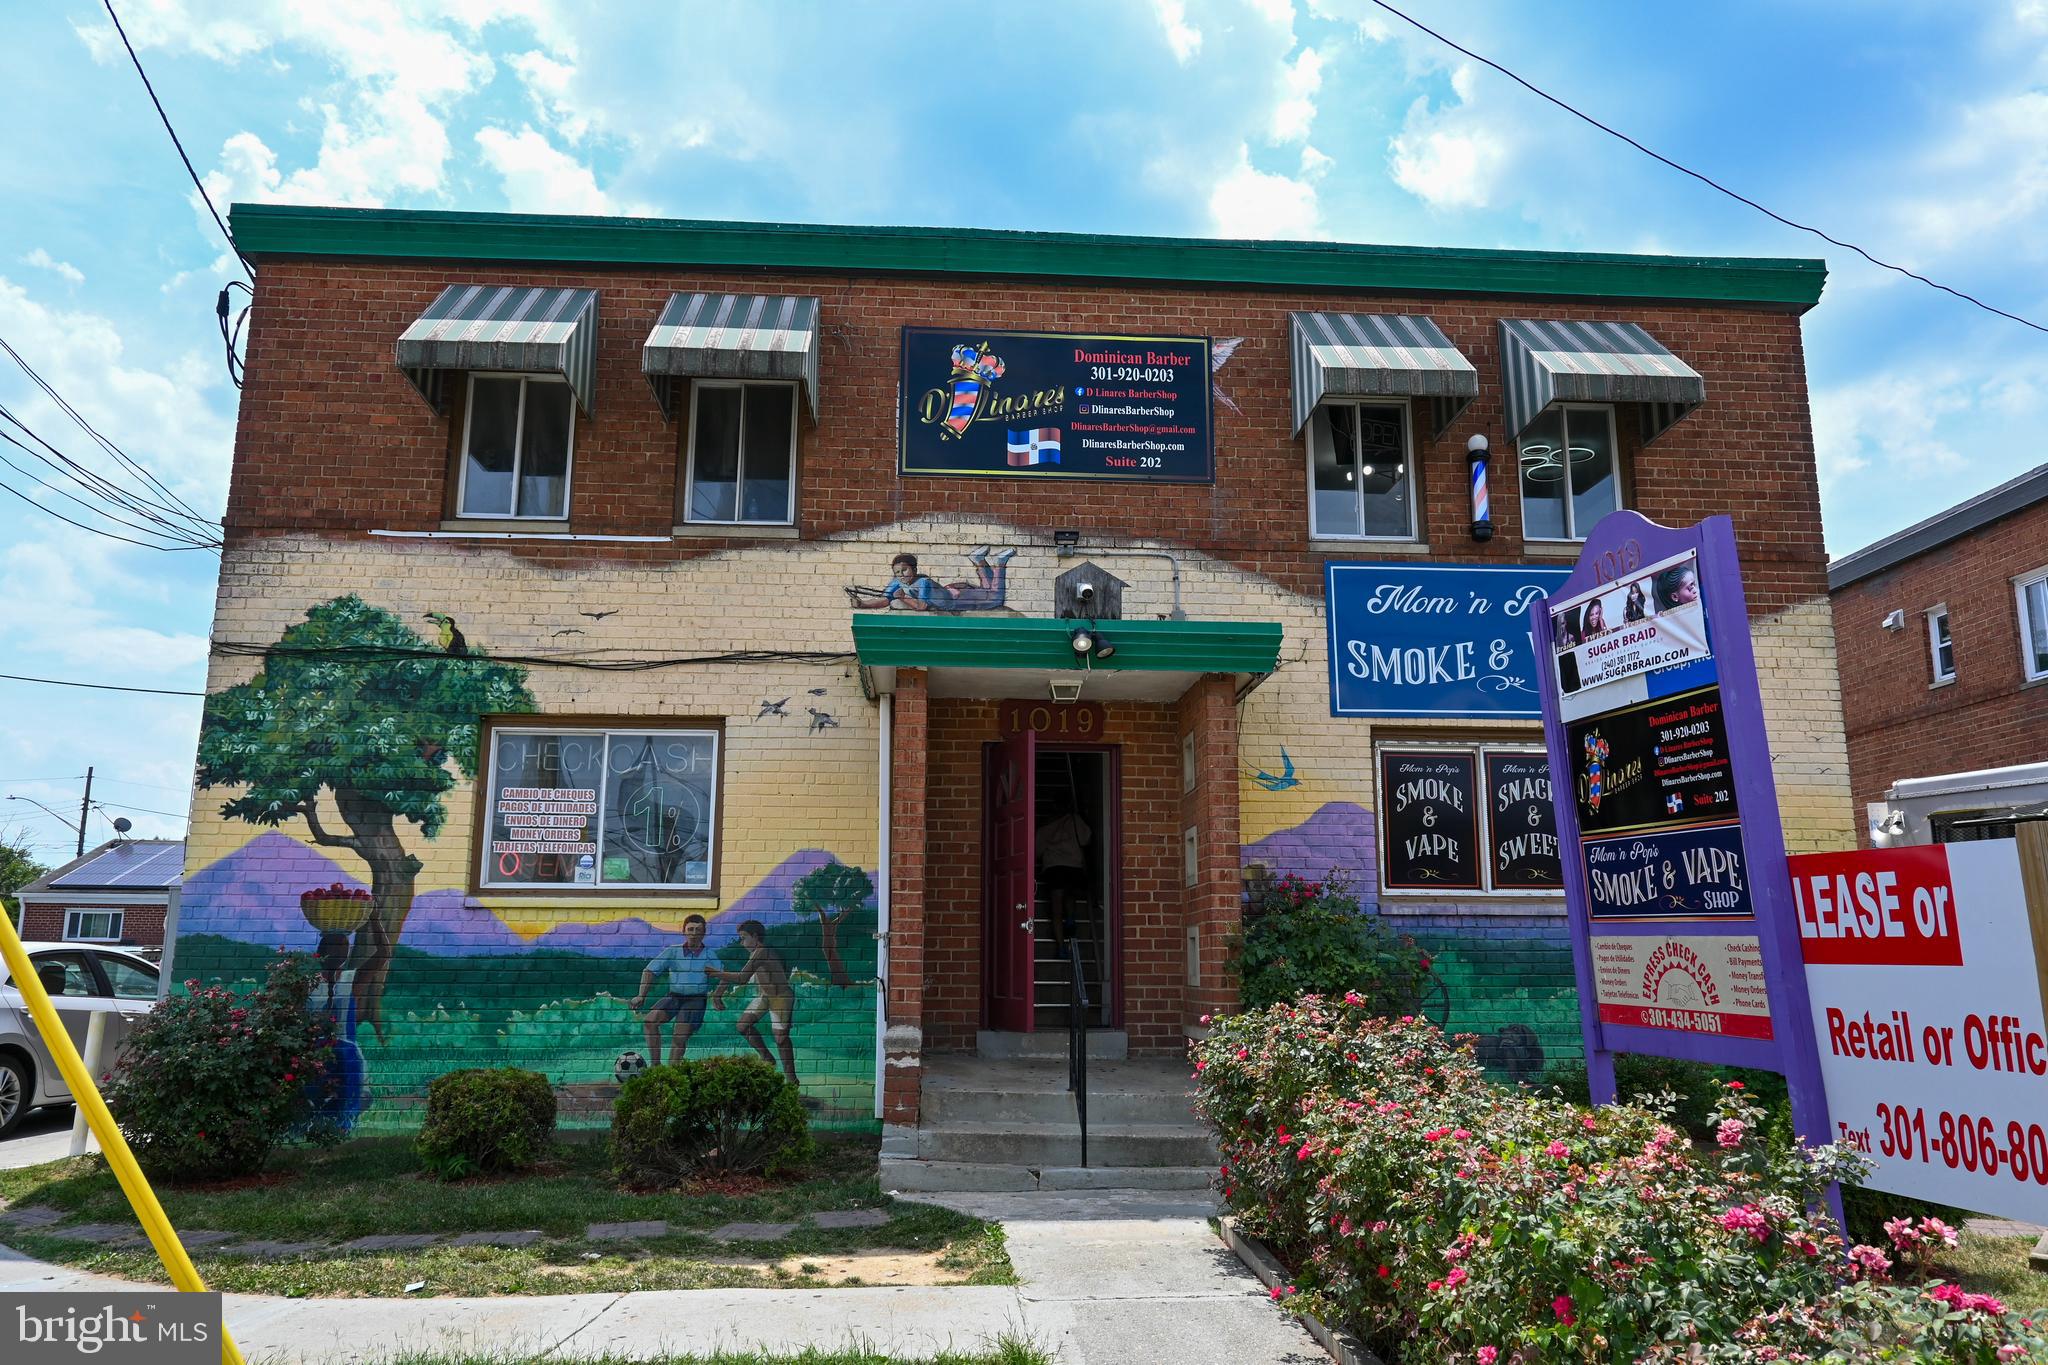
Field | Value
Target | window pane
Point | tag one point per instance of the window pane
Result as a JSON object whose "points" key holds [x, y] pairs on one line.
{"points": [[657, 809], [543, 811], [765, 493], [65, 974], [544, 462], [1331, 439], [131, 982], [1944, 649], [1383, 472], [2037, 628], [1595, 490], [1543, 478], [715, 455], [487, 464]]}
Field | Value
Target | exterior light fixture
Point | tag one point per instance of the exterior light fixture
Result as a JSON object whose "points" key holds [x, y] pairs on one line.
{"points": [[1066, 543], [1482, 511], [1082, 641], [1066, 691], [1103, 648]]}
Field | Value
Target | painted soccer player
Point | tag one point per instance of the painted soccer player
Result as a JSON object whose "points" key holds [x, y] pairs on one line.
{"points": [[773, 995], [688, 968]]}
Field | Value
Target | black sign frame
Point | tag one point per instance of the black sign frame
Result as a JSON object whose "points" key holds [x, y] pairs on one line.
{"points": [[1035, 387], [1518, 821]]}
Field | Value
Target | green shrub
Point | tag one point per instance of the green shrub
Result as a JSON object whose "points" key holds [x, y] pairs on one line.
{"points": [[1310, 938], [213, 1080], [486, 1120], [1696, 1086], [718, 1116]]}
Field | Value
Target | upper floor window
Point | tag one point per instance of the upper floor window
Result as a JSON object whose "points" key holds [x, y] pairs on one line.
{"points": [[1361, 472], [2032, 592], [742, 458], [1941, 650], [518, 432], [1571, 472]]}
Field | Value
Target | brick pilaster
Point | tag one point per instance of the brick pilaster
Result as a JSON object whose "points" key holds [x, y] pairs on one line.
{"points": [[1213, 905], [903, 1042]]}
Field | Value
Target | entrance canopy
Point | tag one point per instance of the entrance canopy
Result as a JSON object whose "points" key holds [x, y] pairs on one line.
{"points": [[503, 327], [1022, 656], [1377, 355], [1594, 362], [733, 336]]}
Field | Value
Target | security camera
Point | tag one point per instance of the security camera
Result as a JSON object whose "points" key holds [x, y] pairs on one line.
{"points": [[1084, 592]]}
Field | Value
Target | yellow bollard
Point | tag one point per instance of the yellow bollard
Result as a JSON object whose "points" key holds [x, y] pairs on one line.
{"points": [[113, 1146]]}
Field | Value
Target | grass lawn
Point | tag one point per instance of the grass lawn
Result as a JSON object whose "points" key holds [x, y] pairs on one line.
{"points": [[1998, 1266], [374, 1186]]}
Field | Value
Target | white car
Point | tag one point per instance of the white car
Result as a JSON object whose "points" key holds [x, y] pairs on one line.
{"points": [[82, 980]]}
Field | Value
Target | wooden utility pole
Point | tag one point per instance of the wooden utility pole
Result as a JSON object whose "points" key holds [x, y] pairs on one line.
{"points": [[84, 809]]}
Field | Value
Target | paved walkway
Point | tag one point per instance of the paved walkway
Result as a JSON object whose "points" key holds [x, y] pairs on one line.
{"points": [[1110, 1276]]}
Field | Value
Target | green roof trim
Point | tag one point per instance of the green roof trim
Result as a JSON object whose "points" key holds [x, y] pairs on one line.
{"points": [[292, 230], [892, 639]]}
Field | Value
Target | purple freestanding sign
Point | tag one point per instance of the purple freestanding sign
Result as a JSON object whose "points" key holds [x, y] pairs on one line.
{"points": [[1683, 935]]}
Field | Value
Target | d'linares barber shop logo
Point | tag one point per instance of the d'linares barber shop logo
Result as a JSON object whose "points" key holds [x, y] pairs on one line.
{"points": [[969, 395]]}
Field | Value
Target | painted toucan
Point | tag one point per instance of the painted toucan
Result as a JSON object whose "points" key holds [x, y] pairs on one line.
{"points": [[452, 641]]}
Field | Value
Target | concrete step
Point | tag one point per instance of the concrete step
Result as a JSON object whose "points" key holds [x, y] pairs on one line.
{"points": [[965, 1177], [1109, 1045], [1059, 1144], [966, 1090]]}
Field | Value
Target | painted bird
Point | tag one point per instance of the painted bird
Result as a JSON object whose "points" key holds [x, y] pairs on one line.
{"points": [[1283, 780], [821, 720], [452, 641], [1219, 356], [772, 708]]}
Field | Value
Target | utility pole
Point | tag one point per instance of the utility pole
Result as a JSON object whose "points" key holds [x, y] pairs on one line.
{"points": [[84, 809]]}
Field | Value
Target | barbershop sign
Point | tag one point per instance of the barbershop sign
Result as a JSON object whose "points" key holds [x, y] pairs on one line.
{"points": [[1447, 640]]}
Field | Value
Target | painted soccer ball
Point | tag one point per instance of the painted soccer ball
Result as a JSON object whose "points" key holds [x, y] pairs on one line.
{"points": [[629, 1065]]}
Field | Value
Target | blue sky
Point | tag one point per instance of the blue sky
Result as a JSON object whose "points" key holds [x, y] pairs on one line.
{"points": [[1917, 129]]}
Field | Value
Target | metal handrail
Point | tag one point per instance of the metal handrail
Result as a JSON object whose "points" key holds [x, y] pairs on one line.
{"points": [[1077, 1040]]}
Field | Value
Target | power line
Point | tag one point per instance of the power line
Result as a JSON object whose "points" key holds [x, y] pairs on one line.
{"points": [[99, 687], [141, 810], [1708, 181], [197, 184]]}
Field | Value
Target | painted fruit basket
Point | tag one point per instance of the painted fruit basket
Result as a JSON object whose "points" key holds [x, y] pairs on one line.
{"points": [[335, 909]]}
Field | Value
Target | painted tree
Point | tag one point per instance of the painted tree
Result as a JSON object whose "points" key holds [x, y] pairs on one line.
{"points": [[351, 702], [835, 886]]}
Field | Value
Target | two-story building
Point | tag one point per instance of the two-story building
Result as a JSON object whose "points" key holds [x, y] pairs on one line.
{"points": [[914, 604]]}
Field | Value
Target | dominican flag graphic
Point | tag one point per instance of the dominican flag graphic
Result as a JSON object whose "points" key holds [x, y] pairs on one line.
{"points": [[1040, 445], [1674, 803]]}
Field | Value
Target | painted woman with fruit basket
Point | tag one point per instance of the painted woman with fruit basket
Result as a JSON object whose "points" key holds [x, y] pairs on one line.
{"points": [[338, 911]]}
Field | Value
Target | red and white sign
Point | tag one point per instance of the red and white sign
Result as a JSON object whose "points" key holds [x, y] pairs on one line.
{"points": [[1695, 983], [1927, 1008]]}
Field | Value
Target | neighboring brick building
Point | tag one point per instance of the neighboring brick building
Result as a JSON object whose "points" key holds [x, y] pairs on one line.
{"points": [[698, 697], [119, 893], [1943, 631]]}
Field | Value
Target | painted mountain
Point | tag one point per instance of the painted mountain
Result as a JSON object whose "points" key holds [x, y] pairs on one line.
{"points": [[1339, 837], [252, 896]]}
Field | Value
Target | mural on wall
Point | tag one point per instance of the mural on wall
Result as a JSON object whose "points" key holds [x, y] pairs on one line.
{"points": [[355, 714], [912, 589]]}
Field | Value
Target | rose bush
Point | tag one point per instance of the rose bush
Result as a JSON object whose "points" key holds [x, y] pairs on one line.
{"points": [[1448, 1219], [213, 1080], [1311, 938]]}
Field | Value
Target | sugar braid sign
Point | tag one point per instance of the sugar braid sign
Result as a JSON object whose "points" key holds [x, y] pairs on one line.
{"points": [[1685, 938]]}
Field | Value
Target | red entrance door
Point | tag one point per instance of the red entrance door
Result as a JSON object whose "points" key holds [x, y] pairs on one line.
{"points": [[1007, 935]]}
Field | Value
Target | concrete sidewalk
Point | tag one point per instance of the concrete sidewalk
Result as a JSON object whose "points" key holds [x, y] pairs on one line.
{"points": [[1110, 1277]]}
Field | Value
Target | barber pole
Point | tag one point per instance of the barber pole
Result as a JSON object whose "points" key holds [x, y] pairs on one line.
{"points": [[1482, 510]]}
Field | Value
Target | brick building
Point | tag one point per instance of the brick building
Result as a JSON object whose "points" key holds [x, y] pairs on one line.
{"points": [[119, 893], [1943, 631], [591, 537]]}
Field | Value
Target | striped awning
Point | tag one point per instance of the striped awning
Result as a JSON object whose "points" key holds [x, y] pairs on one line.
{"points": [[1377, 355], [503, 327], [1594, 362], [733, 336]]}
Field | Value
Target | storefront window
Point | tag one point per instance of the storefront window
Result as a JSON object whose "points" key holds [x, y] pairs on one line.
{"points": [[1570, 475], [1360, 472], [602, 808], [1461, 820]]}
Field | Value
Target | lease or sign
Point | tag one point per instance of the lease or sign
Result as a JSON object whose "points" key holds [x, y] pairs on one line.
{"points": [[1055, 405], [1433, 639], [1926, 982]]}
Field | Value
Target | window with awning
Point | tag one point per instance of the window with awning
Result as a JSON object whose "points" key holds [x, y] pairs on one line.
{"points": [[1547, 363], [733, 337], [1377, 355], [506, 329]]}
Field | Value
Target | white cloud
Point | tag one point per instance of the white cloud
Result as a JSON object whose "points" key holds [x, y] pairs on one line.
{"points": [[1295, 110], [1314, 163], [56, 585], [1890, 423], [1182, 38], [539, 177], [1449, 157], [1991, 173], [1249, 202], [547, 83], [43, 260]]}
